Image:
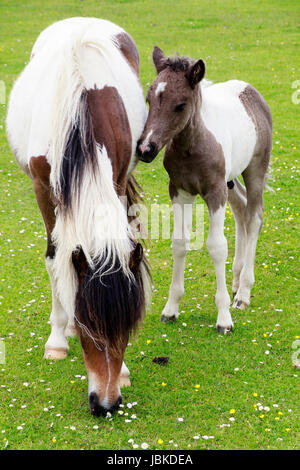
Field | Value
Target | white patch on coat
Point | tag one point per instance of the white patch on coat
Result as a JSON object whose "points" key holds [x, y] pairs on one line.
{"points": [[73, 54], [160, 88], [145, 143], [227, 119]]}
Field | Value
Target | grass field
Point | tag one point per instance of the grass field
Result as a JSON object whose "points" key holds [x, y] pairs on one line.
{"points": [[216, 384]]}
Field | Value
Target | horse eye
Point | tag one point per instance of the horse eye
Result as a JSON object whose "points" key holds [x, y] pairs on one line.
{"points": [[180, 107]]}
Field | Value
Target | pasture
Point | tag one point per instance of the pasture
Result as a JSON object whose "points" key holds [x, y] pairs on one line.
{"points": [[234, 391]]}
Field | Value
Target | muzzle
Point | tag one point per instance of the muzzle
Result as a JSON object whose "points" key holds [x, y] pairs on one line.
{"points": [[146, 152]]}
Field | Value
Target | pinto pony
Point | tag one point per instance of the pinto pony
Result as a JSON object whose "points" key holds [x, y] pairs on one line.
{"points": [[212, 135], [74, 118]]}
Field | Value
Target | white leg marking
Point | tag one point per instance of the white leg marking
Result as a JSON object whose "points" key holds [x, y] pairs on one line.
{"points": [[105, 402], [217, 247], [242, 298], [56, 346], [183, 212]]}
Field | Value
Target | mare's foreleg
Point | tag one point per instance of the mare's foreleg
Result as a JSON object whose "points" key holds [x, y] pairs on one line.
{"points": [[56, 346]]}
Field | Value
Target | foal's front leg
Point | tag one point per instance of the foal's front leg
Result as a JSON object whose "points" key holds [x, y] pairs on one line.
{"points": [[183, 211], [217, 247]]}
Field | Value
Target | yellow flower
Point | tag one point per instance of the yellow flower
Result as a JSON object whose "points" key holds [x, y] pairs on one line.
{"points": [[148, 341], [163, 384], [232, 411], [197, 386], [72, 381], [160, 441], [53, 439], [262, 416], [277, 418], [280, 412], [255, 394], [287, 429], [264, 335]]}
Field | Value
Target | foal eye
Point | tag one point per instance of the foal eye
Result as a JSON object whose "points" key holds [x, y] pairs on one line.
{"points": [[180, 107]]}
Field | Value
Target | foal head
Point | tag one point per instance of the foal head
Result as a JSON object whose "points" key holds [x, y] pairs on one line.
{"points": [[109, 306], [172, 99]]}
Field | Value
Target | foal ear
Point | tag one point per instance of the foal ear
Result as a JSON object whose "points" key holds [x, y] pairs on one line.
{"points": [[136, 257], [159, 59], [195, 73]]}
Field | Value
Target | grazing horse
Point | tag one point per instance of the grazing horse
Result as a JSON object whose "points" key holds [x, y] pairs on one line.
{"points": [[74, 118], [213, 133]]}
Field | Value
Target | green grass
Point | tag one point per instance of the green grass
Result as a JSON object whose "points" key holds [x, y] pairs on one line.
{"points": [[258, 42]]}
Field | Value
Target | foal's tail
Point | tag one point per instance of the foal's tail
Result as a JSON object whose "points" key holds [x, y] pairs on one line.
{"points": [[89, 216]]}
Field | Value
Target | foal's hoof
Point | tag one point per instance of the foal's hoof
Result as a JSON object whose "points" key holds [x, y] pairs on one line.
{"points": [[240, 304], [224, 329], [125, 381], [165, 319], [55, 353]]}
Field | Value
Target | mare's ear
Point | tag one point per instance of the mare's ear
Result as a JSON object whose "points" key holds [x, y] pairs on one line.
{"points": [[159, 59], [136, 257], [195, 73]]}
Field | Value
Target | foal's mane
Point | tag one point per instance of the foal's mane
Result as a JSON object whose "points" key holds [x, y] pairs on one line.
{"points": [[179, 63]]}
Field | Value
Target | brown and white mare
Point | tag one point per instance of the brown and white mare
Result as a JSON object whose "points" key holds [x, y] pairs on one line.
{"points": [[212, 135], [75, 115]]}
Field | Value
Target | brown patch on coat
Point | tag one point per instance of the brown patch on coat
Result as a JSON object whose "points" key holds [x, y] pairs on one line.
{"points": [[255, 174], [197, 165], [40, 172], [111, 129], [129, 50], [260, 113]]}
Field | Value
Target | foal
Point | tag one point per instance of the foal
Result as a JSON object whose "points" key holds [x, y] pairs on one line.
{"points": [[212, 135], [74, 118]]}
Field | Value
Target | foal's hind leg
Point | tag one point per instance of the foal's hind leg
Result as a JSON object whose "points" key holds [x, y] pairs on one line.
{"points": [[254, 179], [237, 199], [183, 209]]}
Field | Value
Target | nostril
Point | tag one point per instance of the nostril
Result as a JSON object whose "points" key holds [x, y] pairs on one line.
{"points": [[153, 147], [97, 409]]}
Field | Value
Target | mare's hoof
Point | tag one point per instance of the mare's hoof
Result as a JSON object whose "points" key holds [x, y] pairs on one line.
{"points": [[55, 353], [165, 319], [125, 381], [224, 329]]}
